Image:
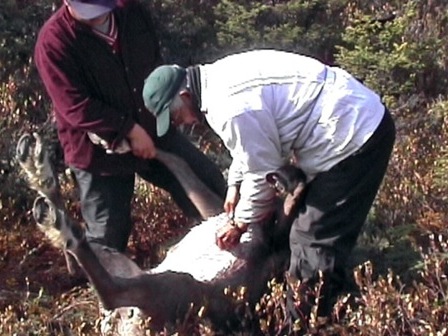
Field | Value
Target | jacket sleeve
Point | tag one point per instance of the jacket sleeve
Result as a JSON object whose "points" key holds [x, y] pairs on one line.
{"points": [[235, 173], [63, 81], [254, 143]]}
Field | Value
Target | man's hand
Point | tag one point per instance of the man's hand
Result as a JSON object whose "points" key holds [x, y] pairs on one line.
{"points": [[141, 143], [232, 198], [229, 235]]}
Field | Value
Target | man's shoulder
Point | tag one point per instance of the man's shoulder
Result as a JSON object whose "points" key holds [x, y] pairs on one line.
{"points": [[54, 28]]}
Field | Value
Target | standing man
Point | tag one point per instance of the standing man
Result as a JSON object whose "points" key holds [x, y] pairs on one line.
{"points": [[93, 57], [266, 105]]}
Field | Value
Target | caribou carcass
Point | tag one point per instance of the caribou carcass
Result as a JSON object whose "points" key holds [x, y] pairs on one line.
{"points": [[195, 275]]}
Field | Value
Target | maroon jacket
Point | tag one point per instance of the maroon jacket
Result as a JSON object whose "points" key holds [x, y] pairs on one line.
{"points": [[94, 88]]}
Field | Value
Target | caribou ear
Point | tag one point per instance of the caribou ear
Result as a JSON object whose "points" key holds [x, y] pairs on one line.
{"points": [[286, 179], [271, 178], [276, 180]]}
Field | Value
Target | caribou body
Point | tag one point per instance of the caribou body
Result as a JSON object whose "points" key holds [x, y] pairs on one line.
{"points": [[195, 275]]}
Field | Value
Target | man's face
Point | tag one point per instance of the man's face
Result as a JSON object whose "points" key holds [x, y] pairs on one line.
{"points": [[184, 114], [99, 20], [96, 21]]}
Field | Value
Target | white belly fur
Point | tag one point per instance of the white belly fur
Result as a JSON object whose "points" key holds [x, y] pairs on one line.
{"points": [[198, 254]]}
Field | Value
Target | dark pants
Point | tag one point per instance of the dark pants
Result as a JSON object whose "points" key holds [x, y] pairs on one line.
{"points": [[335, 207], [106, 200]]}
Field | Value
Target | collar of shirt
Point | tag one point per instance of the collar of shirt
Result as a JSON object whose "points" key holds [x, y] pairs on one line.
{"points": [[111, 34], [204, 102]]}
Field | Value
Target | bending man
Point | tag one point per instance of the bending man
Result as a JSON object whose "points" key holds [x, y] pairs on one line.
{"points": [[266, 105]]}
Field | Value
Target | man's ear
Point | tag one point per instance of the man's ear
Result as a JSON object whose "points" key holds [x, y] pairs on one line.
{"points": [[186, 97], [185, 94]]}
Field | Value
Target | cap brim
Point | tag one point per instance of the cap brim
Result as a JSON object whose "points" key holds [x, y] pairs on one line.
{"points": [[163, 122], [88, 11]]}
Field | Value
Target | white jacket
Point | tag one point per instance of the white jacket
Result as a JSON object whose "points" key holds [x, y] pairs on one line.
{"points": [[266, 105]]}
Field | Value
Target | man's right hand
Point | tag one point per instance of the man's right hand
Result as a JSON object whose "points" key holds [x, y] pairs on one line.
{"points": [[141, 143], [229, 235]]}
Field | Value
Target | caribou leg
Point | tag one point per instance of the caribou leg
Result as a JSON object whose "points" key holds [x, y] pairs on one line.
{"points": [[207, 202], [118, 281]]}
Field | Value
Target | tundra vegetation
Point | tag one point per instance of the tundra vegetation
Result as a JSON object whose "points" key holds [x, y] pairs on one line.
{"points": [[399, 48]]}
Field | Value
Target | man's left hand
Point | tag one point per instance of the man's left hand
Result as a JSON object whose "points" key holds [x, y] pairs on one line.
{"points": [[229, 235]]}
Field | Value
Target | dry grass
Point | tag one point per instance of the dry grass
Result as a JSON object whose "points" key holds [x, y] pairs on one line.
{"points": [[399, 268]]}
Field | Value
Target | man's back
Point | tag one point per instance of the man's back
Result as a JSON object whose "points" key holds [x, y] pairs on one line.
{"points": [[320, 112], [240, 71]]}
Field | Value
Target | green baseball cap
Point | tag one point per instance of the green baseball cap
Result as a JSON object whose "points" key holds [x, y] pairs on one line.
{"points": [[159, 89]]}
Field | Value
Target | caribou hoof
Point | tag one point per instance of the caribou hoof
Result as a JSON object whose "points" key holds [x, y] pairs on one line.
{"points": [[34, 160], [44, 212], [23, 147], [48, 221], [57, 225]]}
